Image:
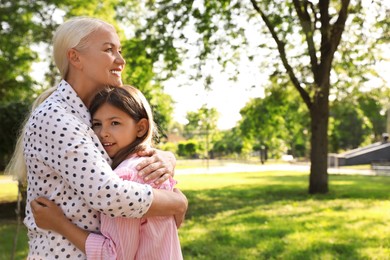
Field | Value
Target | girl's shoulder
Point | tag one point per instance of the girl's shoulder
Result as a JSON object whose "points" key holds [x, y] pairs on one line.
{"points": [[131, 161]]}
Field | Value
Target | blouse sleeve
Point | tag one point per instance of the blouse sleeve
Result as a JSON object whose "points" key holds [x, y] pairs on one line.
{"points": [[70, 148]]}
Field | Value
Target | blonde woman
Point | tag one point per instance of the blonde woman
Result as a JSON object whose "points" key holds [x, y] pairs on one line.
{"points": [[65, 161]]}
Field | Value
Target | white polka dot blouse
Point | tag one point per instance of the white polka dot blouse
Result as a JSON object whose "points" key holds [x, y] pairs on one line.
{"points": [[67, 164]]}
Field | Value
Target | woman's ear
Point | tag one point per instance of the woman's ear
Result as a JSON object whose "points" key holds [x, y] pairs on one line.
{"points": [[142, 127], [74, 58]]}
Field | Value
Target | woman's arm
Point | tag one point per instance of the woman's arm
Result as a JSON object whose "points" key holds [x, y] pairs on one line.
{"points": [[168, 203]]}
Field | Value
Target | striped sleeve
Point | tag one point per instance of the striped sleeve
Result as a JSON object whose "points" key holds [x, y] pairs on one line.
{"points": [[98, 247]]}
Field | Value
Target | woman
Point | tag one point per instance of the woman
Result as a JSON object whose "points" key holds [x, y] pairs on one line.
{"points": [[66, 162]]}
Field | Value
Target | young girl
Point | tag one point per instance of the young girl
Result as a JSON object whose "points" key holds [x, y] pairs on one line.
{"points": [[123, 121]]}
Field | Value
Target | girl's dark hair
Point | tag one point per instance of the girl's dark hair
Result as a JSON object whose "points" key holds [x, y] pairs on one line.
{"points": [[131, 101]]}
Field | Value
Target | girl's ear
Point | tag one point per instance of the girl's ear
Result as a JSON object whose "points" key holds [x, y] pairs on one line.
{"points": [[74, 58], [142, 127]]}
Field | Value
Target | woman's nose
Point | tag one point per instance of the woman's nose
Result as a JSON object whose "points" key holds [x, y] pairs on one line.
{"points": [[119, 59]]}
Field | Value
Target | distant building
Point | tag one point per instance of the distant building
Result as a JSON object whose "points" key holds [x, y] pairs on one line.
{"points": [[374, 153]]}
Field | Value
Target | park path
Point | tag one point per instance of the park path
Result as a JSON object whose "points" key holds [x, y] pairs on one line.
{"points": [[242, 167]]}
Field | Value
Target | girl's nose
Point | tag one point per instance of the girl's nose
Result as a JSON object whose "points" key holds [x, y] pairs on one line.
{"points": [[104, 133]]}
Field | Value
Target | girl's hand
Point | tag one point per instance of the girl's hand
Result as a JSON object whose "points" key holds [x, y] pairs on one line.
{"points": [[159, 165], [179, 218], [47, 214]]}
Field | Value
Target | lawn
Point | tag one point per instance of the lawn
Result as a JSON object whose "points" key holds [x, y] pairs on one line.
{"points": [[269, 215]]}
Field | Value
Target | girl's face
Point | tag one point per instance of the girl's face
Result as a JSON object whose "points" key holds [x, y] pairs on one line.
{"points": [[116, 129], [101, 62]]}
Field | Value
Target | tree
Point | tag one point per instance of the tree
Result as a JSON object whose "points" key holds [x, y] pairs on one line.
{"points": [[307, 44], [230, 142], [202, 125], [357, 120], [348, 126], [276, 121]]}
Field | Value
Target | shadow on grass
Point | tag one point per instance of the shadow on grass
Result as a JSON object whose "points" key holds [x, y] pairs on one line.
{"points": [[284, 188], [277, 210]]}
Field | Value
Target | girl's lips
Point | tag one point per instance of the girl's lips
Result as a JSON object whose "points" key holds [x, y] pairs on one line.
{"points": [[107, 146]]}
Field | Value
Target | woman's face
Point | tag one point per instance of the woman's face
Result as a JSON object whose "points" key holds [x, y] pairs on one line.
{"points": [[102, 62]]}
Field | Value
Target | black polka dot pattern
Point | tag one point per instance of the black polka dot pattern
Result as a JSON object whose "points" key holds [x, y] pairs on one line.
{"points": [[67, 164]]}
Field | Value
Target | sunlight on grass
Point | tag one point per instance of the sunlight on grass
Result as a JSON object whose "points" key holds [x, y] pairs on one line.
{"points": [[8, 191], [273, 217]]}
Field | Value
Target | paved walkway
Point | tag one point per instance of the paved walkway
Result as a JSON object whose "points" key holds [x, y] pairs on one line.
{"points": [[240, 167]]}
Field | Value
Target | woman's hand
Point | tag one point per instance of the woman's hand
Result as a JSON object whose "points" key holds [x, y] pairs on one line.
{"points": [[159, 165], [47, 214]]}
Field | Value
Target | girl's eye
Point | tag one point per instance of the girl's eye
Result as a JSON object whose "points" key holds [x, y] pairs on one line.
{"points": [[95, 125], [115, 123]]}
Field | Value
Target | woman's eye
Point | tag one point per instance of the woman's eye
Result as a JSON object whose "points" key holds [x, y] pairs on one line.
{"points": [[115, 123], [109, 50]]}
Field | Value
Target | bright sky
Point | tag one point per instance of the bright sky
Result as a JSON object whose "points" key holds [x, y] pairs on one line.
{"points": [[226, 96]]}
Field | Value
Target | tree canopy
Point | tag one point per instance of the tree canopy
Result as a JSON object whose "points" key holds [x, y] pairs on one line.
{"points": [[320, 45]]}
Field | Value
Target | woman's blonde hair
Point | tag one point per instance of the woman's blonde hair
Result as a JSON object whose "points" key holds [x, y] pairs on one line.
{"points": [[71, 34]]}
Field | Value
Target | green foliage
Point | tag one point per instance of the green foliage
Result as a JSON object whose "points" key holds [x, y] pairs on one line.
{"points": [[16, 35], [202, 127], [230, 142], [357, 120], [276, 121], [188, 149], [201, 123], [349, 128], [12, 115]]}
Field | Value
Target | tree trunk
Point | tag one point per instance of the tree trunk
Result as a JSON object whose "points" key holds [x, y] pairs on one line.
{"points": [[319, 145]]}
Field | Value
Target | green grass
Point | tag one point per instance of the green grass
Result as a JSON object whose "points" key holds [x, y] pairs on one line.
{"points": [[269, 215], [8, 230]]}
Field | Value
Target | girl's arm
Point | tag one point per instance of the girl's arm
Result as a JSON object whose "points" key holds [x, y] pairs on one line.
{"points": [[49, 216]]}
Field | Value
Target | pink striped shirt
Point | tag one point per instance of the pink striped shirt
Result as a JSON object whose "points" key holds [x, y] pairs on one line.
{"points": [[129, 238]]}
